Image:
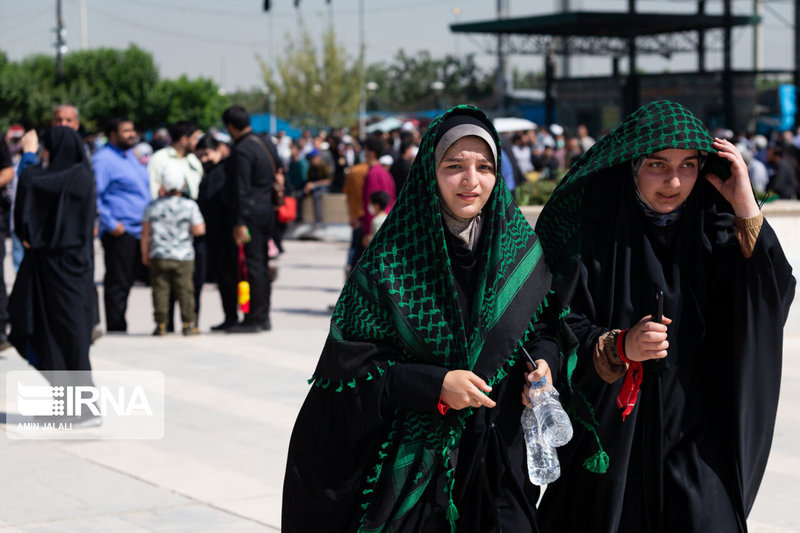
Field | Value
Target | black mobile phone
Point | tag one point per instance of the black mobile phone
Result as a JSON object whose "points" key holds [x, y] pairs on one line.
{"points": [[658, 316], [528, 356]]}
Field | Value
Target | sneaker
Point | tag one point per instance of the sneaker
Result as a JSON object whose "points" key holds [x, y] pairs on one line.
{"points": [[190, 329], [161, 330]]}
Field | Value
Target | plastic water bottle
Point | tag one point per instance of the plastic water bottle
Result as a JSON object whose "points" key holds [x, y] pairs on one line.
{"points": [[553, 420], [543, 466]]}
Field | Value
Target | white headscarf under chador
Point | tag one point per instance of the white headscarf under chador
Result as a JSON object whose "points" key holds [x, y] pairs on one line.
{"points": [[466, 229]]}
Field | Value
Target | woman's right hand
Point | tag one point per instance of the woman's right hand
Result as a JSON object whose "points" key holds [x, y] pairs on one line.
{"points": [[462, 388], [647, 340], [29, 142]]}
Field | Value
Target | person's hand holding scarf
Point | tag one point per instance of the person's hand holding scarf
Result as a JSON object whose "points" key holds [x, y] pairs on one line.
{"points": [[737, 189]]}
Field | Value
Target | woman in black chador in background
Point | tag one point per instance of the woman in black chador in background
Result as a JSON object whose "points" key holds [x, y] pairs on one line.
{"points": [[50, 306]]}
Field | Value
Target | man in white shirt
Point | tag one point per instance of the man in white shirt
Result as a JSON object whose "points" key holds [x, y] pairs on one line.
{"points": [[184, 135]]}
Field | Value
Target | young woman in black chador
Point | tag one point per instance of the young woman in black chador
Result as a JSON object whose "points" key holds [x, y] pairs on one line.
{"points": [[674, 419], [434, 314]]}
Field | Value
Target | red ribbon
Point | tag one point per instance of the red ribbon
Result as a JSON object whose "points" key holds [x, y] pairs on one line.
{"points": [[443, 407], [629, 392], [242, 264]]}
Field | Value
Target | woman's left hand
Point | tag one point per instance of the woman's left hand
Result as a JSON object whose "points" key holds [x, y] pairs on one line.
{"points": [[462, 389], [737, 189], [542, 370]]}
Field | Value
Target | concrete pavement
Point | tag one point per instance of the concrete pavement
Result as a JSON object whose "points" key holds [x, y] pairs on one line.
{"points": [[231, 401]]}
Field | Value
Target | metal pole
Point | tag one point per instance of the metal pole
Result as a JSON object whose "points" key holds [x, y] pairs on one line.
{"points": [[701, 39], [757, 37], [796, 63], [501, 63], [565, 7], [60, 44], [727, 72], [631, 92], [362, 100], [272, 67], [549, 75], [84, 27], [273, 126]]}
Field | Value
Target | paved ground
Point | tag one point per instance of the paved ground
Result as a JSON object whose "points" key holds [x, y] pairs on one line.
{"points": [[230, 405]]}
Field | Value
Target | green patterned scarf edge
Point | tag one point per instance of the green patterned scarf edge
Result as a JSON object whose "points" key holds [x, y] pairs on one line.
{"points": [[453, 436]]}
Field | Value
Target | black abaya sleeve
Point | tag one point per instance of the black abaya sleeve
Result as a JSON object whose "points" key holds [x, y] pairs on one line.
{"points": [[749, 361], [336, 436], [544, 344]]}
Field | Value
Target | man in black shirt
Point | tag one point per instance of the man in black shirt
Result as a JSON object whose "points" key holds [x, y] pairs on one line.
{"points": [[251, 170]]}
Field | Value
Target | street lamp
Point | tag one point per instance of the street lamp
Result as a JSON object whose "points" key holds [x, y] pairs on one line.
{"points": [[438, 88], [362, 112], [371, 87], [456, 11]]}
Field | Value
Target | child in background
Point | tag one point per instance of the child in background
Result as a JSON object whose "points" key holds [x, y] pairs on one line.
{"points": [[167, 228], [378, 203]]}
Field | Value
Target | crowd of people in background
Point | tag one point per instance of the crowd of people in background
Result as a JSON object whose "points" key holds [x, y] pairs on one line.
{"points": [[548, 152], [231, 175]]}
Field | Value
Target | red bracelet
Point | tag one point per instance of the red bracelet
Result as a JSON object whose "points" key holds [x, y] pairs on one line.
{"points": [[621, 346], [629, 393], [443, 407]]}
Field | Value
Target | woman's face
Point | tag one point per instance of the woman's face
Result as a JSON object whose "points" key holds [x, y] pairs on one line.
{"points": [[209, 155], [466, 176], [667, 177]]}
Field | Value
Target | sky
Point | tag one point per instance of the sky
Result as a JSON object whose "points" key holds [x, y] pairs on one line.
{"points": [[222, 40]]}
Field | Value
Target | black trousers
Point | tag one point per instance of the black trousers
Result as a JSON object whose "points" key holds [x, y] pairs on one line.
{"points": [[223, 253], [257, 258], [123, 258]]}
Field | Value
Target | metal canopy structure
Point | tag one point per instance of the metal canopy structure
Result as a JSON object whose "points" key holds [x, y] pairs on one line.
{"points": [[602, 24], [613, 34], [600, 32]]}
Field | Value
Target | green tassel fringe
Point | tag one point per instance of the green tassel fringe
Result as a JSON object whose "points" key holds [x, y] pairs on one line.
{"points": [[452, 516], [597, 463]]}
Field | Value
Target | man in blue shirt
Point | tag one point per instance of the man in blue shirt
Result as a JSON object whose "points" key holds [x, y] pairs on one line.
{"points": [[123, 192]]}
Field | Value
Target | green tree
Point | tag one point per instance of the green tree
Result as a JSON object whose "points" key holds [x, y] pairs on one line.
{"points": [[103, 83], [254, 100], [27, 93], [405, 84], [527, 80], [315, 89], [197, 100]]}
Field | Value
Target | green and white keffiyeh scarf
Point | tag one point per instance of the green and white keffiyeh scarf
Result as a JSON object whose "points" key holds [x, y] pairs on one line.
{"points": [[402, 293]]}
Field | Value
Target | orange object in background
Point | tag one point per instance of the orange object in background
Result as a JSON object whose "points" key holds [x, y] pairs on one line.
{"points": [[243, 295], [243, 289]]}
